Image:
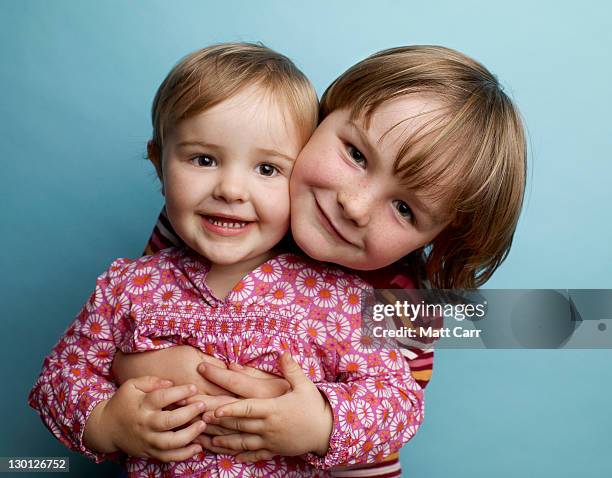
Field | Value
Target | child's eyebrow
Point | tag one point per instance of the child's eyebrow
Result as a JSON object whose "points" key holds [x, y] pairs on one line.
{"points": [[278, 154], [363, 137], [202, 144]]}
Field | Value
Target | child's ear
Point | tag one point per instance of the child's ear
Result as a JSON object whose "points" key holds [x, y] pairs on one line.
{"points": [[154, 155]]}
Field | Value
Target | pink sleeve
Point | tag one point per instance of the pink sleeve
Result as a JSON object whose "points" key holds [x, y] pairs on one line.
{"points": [[76, 375], [376, 403]]}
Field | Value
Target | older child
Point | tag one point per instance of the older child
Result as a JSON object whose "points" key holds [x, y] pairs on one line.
{"points": [[420, 157], [229, 122]]}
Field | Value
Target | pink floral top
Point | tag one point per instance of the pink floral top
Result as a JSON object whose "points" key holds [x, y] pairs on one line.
{"points": [[288, 303]]}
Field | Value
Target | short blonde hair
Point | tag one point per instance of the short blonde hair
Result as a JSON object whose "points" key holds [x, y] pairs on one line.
{"points": [[473, 152], [211, 75]]}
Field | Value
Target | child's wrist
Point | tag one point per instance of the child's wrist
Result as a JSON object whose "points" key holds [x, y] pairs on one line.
{"points": [[326, 428], [97, 435]]}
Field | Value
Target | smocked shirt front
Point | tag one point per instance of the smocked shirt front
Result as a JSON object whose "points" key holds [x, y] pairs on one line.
{"points": [[288, 303]]}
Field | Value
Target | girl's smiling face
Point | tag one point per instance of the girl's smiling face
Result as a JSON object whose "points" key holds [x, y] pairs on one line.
{"points": [[348, 205], [225, 175]]}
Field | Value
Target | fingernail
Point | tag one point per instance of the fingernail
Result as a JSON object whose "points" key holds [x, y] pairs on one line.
{"points": [[201, 406], [220, 413], [201, 367], [166, 383], [192, 388]]}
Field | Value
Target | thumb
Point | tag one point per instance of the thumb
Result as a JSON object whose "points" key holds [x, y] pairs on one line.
{"points": [[149, 383], [292, 371]]}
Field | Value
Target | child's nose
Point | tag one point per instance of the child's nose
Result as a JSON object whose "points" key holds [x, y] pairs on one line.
{"points": [[231, 187], [355, 207]]}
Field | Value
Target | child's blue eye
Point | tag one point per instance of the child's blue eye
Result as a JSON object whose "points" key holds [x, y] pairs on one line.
{"points": [[357, 155], [403, 209], [204, 161], [266, 169]]}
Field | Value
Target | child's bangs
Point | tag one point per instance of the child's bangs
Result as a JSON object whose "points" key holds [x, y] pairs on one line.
{"points": [[448, 158]]}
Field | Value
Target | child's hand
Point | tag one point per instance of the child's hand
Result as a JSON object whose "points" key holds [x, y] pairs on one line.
{"points": [[134, 421], [296, 423]]}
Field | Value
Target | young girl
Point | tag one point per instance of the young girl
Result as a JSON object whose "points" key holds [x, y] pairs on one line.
{"points": [[457, 185], [229, 122]]}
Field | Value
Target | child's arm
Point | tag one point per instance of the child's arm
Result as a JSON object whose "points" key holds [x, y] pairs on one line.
{"points": [[75, 379]]}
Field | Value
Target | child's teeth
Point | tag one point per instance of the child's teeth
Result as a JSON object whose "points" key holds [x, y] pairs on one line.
{"points": [[228, 224]]}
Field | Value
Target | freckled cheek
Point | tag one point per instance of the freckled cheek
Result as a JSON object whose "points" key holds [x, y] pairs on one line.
{"points": [[320, 168], [388, 245]]}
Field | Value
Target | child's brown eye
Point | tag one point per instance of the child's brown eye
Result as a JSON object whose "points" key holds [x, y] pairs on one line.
{"points": [[357, 155], [266, 170], [204, 161], [403, 209]]}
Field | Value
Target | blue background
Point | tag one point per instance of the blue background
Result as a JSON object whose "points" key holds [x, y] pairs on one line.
{"points": [[77, 82]]}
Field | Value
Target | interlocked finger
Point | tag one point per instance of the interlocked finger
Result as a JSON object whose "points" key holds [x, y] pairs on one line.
{"points": [[248, 425], [240, 442], [207, 444], [177, 455], [179, 438], [167, 420], [164, 397], [254, 456]]}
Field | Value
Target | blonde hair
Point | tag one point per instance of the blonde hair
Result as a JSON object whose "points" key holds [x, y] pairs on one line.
{"points": [[472, 153], [211, 75]]}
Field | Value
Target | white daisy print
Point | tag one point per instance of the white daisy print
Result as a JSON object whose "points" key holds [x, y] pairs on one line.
{"points": [[311, 329], [384, 411], [312, 369], [120, 305], [81, 386], [325, 297], [392, 359], [45, 393], [338, 326], [281, 294], [102, 390], [152, 470], [167, 294], [352, 300], [100, 354], [268, 272], [97, 327], [308, 282], [347, 415], [262, 468], [398, 424], [74, 356], [63, 391], [290, 261], [353, 363], [117, 269], [364, 412], [143, 280], [186, 469], [94, 301], [243, 289], [227, 467]]}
